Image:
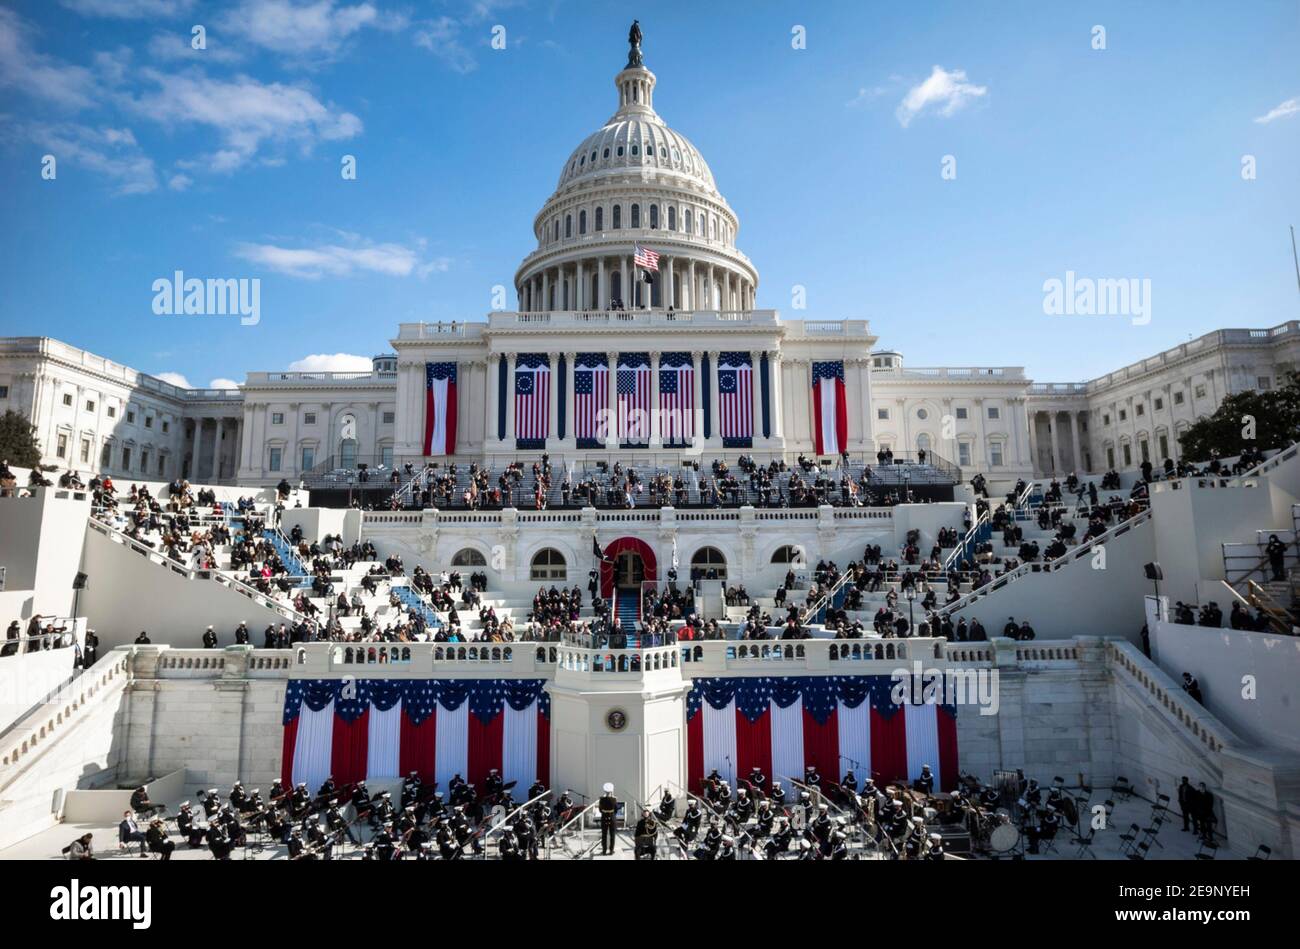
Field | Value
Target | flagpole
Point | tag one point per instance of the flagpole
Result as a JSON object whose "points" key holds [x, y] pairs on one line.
{"points": [[1295, 258]]}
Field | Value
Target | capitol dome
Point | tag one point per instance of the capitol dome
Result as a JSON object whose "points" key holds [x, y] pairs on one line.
{"points": [[636, 184]]}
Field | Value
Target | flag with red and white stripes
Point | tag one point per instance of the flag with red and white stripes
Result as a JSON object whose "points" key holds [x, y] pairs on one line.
{"points": [[645, 258], [590, 399], [368, 729], [784, 724], [830, 408], [532, 400], [633, 399], [676, 398], [736, 400]]}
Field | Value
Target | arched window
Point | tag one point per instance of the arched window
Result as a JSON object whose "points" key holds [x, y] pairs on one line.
{"points": [[605, 154], [548, 564], [788, 554], [672, 219], [636, 150], [636, 216], [708, 563], [923, 440], [654, 216], [468, 557], [701, 225], [618, 216], [568, 225], [600, 219], [686, 220], [557, 228], [620, 151], [582, 222]]}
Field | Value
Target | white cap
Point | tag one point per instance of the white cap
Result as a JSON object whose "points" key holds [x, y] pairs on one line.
{"points": [[608, 788]]}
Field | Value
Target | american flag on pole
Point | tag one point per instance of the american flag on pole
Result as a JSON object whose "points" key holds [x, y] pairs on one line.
{"points": [[590, 399], [532, 400], [676, 398], [646, 258], [634, 399], [736, 400], [830, 408]]}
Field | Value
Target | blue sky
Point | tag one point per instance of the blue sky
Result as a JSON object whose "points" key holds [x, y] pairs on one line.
{"points": [[1117, 163]]}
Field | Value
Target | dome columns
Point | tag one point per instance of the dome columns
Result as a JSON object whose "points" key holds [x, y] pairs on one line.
{"points": [[593, 282]]}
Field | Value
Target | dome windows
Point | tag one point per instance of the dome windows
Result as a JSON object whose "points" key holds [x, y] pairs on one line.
{"points": [[600, 219], [593, 156], [582, 222], [636, 216], [686, 220], [606, 155], [663, 153], [636, 150], [568, 225], [654, 217], [672, 219], [618, 216], [620, 151], [582, 161]]}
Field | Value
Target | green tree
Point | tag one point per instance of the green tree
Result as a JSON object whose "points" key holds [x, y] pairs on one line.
{"points": [[1271, 416], [18, 441]]}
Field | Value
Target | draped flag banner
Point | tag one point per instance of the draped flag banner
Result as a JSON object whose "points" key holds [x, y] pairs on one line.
{"points": [[736, 400], [532, 400], [439, 408], [590, 399], [364, 729], [837, 723], [633, 399], [830, 408], [676, 398]]}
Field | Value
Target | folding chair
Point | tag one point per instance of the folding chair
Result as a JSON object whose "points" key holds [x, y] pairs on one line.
{"points": [[1129, 840], [1122, 786], [1207, 851], [1085, 844], [1140, 853], [1263, 853]]}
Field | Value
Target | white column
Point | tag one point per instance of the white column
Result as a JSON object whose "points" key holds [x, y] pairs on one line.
{"points": [[655, 437], [216, 450], [580, 298], [570, 440], [493, 401], [1074, 436], [611, 394], [668, 284], [716, 435], [697, 398], [546, 290], [1033, 443], [622, 283], [510, 397], [691, 304], [1056, 442], [602, 291], [774, 376], [553, 405]]}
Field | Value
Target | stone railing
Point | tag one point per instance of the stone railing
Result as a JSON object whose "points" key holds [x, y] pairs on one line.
{"points": [[432, 518], [1167, 697]]}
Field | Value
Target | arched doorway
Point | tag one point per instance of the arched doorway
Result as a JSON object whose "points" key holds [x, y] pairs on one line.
{"points": [[613, 563]]}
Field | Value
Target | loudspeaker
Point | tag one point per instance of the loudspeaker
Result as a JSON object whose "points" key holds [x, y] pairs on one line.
{"points": [[1153, 571], [79, 582]]}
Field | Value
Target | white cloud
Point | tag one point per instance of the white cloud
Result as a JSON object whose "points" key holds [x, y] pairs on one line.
{"points": [[220, 383], [297, 28], [442, 38], [245, 112], [111, 152], [179, 182], [341, 260], [38, 75], [1289, 107], [129, 9], [175, 378], [945, 91], [337, 362], [866, 95]]}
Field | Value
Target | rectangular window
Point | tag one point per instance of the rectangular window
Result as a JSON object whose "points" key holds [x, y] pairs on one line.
{"points": [[308, 459], [167, 427], [1145, 447], [67, 398], [162, 460], [1110, 458], [1200, 392], [1178, 398], [148, 421], [106, 456], [144, 462], [963, 453], [275, 459], [994, 412], [126, 459], [1164, 446], [62, 450], [386, 456], [962, 412], [1105, 420], [1159, 404], [1128, 456], [995, 454], [130, 416], [1140, 409], [4, 392], [1265, 383], [309, 418], [90, 405], [112, 411], [882, 414], [1123, 414], [277, 418], [85, 451], [388, 418]]}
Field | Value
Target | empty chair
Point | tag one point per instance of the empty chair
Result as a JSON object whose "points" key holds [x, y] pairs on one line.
{"points": [[1129, 839], [1263, 853], [1207, 851], [1122, 786], [1085, 844], [1140, 852]]}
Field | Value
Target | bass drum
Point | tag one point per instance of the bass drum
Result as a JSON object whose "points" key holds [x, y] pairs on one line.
{"points": [[1004, 838], [1071, 811]]}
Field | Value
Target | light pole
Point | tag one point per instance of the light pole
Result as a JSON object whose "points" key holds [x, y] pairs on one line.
{"points": [[911, 598]]}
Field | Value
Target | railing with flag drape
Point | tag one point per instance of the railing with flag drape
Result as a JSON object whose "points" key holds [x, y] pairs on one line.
{"points": [[782, 724], [363, 729]]}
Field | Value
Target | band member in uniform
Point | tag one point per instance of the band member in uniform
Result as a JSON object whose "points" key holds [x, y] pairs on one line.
{"points": [[647, 834], [758, 782], [608, 807], [297, 848], [778, 796], [689, 828], [186, 826], [925, 782], [781, 838], [812, 777], [141, 804], [839, 849], [936, 848], [156, 838], [336, 823], [667, 806]]}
